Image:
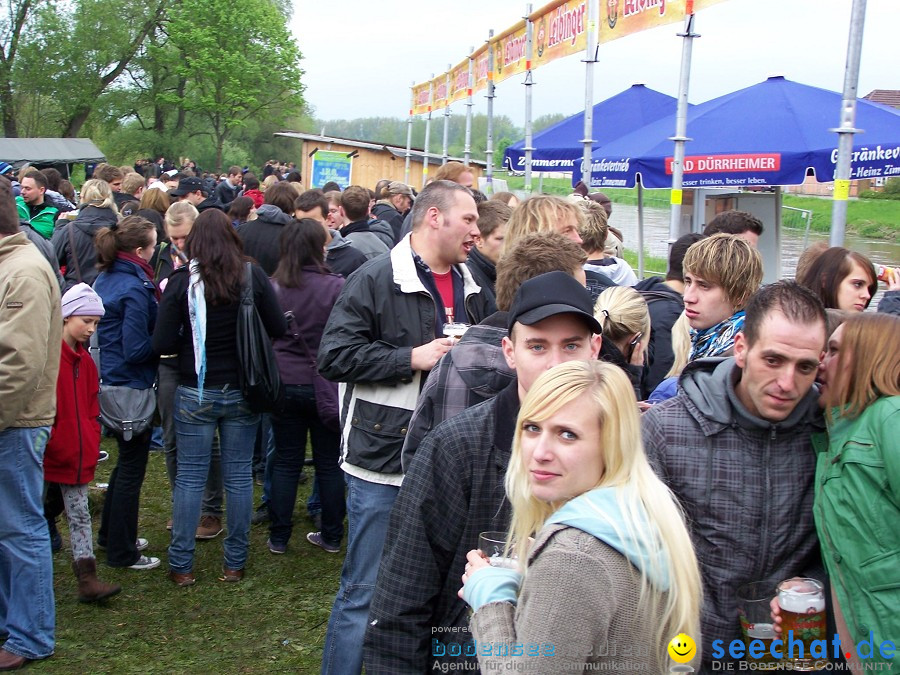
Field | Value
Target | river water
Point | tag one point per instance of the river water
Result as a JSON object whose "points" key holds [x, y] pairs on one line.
{"points": [[656, 237]]}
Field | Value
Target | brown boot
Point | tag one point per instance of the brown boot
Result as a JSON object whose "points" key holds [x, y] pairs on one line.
{"points": [[91, 589]]}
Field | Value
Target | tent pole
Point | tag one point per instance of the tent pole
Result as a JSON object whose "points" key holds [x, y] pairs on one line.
{"points": [[848, 118], [467, 151], [489, 148], [409, 126], [640, 225], [446, 154], [529, 54], [681, 122], [590, 58], [427, 133]]}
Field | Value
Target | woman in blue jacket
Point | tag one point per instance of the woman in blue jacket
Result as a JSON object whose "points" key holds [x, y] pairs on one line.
{"points": [[126, 360]]}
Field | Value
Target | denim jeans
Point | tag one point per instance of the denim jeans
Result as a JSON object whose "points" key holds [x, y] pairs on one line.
{"points": [[368, 510], [223, 410], [119, 524], [27, 612], [263, 452], [291, 426], [167, 383]]}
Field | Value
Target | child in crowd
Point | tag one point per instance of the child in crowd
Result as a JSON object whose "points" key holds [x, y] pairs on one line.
{"points": [[74, 446]]}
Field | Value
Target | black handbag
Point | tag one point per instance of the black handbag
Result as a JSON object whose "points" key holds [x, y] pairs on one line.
{"points": [[258, 374]]}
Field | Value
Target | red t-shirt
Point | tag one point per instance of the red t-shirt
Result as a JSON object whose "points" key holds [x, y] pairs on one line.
{"points": [[444, 283]]}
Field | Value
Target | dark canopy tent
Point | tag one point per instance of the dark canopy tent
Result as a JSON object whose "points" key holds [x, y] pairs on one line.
{"points": [[49, 151]]}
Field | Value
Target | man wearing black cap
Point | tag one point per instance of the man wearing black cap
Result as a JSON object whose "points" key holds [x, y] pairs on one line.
{"points": [[193, 190], [453, 489]]}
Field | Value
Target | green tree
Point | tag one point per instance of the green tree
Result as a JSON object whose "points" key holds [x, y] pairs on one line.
{"points": [[238, 60]]}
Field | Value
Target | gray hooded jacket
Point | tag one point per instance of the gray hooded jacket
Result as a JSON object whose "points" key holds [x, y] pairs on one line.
{"points": [[746, 486]]}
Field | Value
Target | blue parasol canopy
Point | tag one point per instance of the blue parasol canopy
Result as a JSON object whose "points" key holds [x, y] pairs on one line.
{"points": [[772, 133], [559, 147]]}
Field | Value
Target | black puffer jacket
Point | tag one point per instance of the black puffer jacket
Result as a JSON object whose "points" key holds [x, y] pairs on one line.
{"points": [[385, 211], [261, 236], [90, 219]]}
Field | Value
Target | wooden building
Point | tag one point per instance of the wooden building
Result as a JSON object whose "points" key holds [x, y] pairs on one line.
{"points": [[370, 162]]}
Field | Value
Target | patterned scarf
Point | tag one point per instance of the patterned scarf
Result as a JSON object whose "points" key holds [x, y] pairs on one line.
{"points": [[718, 339], [197, 312]]}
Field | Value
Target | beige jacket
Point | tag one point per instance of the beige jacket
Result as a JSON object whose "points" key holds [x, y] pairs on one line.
{"points": [[30, 335]]}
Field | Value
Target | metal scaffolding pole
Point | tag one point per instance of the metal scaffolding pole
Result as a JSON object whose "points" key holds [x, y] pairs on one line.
{"points": [[529, 83], [409, 127], [590, 58], [427, 133], [681, 123], [489, 148], [846, 130], [445, 154], [467, 151]]}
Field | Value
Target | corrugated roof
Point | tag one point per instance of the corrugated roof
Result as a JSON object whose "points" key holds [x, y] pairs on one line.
{"points": [[397, 151], [889, 97]]}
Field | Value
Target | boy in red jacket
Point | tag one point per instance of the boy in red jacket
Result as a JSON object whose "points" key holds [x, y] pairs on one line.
{"points": [[74, 446]]}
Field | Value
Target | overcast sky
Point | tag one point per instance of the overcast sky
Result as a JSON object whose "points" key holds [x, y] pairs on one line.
{"points": [[360, 57]]}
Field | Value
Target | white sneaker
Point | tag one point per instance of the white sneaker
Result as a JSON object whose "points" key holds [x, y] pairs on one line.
{"points": [[145, 563], [142, 544], [104, 455]]}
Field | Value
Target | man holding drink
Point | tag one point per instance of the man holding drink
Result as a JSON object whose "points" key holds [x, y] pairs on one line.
{"points": [[735, 447]]}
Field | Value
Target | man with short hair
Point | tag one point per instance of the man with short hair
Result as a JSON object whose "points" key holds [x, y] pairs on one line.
{"points": [[475, 370], [745, 225], [340, 255], [735, 447], [192, 189], [384, 334], [133, 186], [30, 337], [355, 209], [482, 262], [665, 301], [454, 488], [114, 176], [228, 189], [33, 208], [594, 234]]}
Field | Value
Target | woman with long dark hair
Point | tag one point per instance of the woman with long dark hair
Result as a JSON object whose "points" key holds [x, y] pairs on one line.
{"points": [[198, 321], [842, 279], [125, 285], [306, 290]]}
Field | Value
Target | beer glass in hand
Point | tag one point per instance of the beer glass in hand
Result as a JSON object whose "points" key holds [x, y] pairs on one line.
{"points": [[802, 603], [756, 623]]}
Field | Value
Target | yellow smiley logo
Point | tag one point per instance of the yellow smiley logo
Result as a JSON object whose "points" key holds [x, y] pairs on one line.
{"points": [[682, 648]]}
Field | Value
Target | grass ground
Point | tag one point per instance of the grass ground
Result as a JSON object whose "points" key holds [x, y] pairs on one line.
{"points": [[871, 218], [272, 622]]}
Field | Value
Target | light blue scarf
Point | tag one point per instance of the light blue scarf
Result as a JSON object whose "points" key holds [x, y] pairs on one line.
{"points": [[197, 312]]}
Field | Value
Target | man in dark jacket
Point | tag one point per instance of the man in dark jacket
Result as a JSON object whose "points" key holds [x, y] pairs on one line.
{"points": [[261, 236], [384, 334], [73, 244], [228, 188], [454, 488], [358, 230], [735, 447], [665, 301], [340, 255], [482, 262]]}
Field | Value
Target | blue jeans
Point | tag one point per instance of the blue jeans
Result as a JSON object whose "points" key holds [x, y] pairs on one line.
{"points": [[196, 423], [291, 426], [27, 612], [368, 510]]}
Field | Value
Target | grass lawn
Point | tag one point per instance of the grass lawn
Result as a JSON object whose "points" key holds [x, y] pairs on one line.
{"points": [[872, 218], [273, 621]]}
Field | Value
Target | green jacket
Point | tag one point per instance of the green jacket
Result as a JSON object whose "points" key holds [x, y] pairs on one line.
{"points": [[857, 512], [43, 222]]}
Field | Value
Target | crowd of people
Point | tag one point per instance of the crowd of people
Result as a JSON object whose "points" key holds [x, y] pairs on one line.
{"points": [[646, 445]]}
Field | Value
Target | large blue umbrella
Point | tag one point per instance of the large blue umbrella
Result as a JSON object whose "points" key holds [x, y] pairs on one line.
{"points": [[772, 133], [559, 147]]}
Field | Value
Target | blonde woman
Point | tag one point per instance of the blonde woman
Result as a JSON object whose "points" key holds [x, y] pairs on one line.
{"points": [[73, 243], [610, 576], [625, 318], [681, 350], [544, 213]]}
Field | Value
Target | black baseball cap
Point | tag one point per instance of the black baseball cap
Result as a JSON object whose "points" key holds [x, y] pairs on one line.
{"points": [[550, 294], [190, 184]]}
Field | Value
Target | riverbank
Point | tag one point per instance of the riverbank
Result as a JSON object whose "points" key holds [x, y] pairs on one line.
{"points": [[870, 218]]}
